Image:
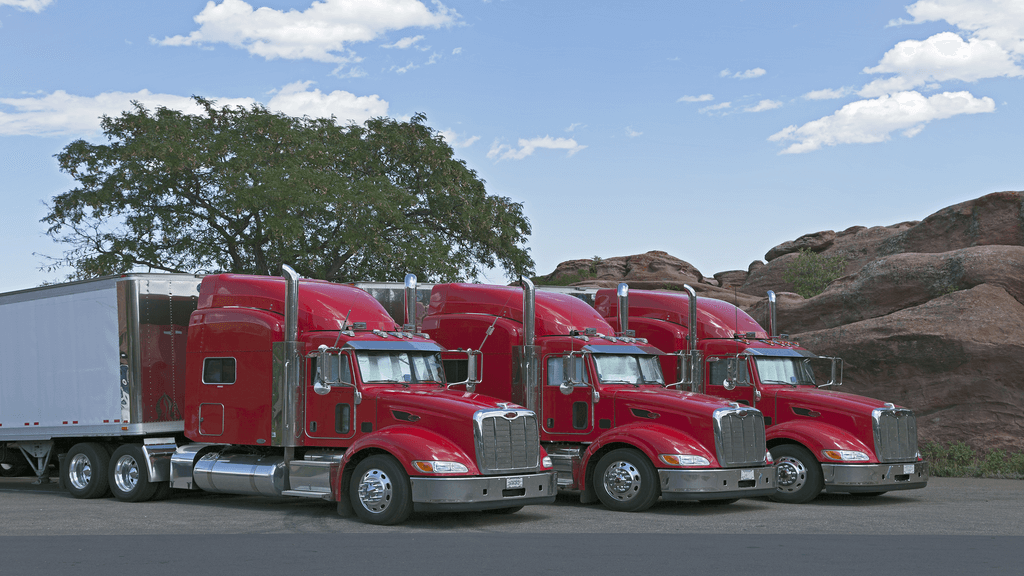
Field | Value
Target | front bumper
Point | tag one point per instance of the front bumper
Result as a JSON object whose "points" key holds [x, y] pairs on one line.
{"points": [[874, 477], [460, 493], [718, 484]]}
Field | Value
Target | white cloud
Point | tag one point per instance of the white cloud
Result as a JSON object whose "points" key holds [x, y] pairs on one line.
{"points": [[715, 107], [403, 69], [942, 57], [296, 99], [574, 126], [701, 98], [63, 114], [632, 133], [452, 138], [869, 121], [1001, 21], [528, 147], [29, 5], [763, 105], [320, 33], [404, 42], [752, 73], [828, 94]]}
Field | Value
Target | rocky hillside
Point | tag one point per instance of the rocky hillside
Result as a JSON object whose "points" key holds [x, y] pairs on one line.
{"points": [[929, 315]]}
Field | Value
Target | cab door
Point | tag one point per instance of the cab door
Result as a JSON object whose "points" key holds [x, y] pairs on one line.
{"points": [[330, 416], [566, 415]]}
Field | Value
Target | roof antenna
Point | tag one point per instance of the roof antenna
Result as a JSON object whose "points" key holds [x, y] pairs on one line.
{"points": [[340, 330]]}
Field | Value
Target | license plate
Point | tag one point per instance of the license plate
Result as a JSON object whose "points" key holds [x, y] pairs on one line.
{"points": [[908, 468], [513, 483], [746, 474]]}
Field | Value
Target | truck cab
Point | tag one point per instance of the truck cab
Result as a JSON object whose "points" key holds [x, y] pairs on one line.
{"points": [[310, 389], [820, 438], [613, 427]]}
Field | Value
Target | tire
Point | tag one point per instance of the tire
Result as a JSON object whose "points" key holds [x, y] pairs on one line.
{"points": [[129, 475], [626, 481], [163, 491], [84, 470], [14, 469], [380, 491], [800, 477]]}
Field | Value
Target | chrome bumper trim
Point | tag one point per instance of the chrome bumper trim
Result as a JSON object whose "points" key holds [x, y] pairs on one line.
{"points": [[717, 484], [872, 477], [480, 492]]}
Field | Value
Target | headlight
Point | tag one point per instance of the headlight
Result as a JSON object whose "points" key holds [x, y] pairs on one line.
{"points": [[435, 467], [546, 462], [684, 460], [846, 455]]}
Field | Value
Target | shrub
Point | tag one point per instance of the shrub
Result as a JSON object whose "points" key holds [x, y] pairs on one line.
{"points": [[810, 273]]}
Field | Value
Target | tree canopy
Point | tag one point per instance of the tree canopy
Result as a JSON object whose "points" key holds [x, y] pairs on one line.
{"points": [[244, 190]]}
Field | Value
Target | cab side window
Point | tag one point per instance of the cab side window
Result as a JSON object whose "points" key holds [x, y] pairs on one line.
{"points": [[219, 371], [555, 372]]}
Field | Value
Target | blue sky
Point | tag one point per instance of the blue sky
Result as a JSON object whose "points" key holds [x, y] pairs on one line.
{"points": [[713, 130]]}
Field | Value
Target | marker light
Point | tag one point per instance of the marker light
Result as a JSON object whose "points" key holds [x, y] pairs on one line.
{"points": [[546, 462], [845, 455], [436, 467], [684, 460]]}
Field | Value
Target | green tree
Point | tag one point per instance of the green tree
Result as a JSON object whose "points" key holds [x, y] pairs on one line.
{"points": [[810, 272], [245, 190]]}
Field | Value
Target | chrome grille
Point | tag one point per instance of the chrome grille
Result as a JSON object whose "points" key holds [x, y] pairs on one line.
{"points": [[895, 434], [739, 437], [507, 441]]}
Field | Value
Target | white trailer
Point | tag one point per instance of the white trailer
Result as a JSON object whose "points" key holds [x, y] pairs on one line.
{"points": [[88, 366]]}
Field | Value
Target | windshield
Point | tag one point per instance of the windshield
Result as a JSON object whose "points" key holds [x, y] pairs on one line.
{"points": [[793, 371], [397, 366], [628, 369]]}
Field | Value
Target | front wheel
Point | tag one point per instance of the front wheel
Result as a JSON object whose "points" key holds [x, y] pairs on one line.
{"points": [[626, 481], [380, 491], [84, 470], [129, 476], [800, 477]]}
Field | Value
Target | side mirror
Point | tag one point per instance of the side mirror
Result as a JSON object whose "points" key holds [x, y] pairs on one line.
{"points": [[570, 375], [734, 375], [331, 370], [688, 366], [474, 362]]}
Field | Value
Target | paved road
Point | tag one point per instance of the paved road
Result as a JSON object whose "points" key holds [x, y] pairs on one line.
{"points": [[951, 527]]}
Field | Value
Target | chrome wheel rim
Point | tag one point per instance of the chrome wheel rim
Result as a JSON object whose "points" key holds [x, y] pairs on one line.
{"points": [[792, 474], [375, 491], [622, 480], [126, 473], [80, 471]]}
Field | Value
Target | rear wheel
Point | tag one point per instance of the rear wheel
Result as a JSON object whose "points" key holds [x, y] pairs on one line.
{"points": [[84, 470], [129, 475], [626, 481], [800, 477], [380, 491]]}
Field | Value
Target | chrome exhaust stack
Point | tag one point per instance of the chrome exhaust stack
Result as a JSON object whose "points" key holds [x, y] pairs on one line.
{"points": [[526, 358], [623, 293], [410, 302], [287, 416], [694, 359], [771, 315], [691, 331]]}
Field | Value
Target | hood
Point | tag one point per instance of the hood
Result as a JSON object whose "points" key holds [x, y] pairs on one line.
{"points": [[828, 400]]}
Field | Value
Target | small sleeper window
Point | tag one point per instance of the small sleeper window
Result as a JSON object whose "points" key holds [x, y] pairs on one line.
{"points": [[219, 371]]}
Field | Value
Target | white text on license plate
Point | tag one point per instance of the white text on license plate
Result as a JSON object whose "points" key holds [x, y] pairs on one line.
{"points": [[908, 468], [516, 482], [746, 474]]}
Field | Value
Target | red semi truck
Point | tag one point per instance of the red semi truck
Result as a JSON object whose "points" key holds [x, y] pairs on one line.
{"points": [[819, 438], [613, 429], [253, 385]]}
